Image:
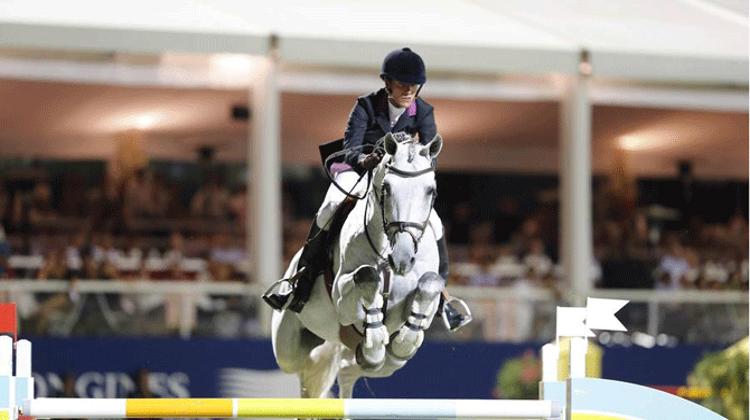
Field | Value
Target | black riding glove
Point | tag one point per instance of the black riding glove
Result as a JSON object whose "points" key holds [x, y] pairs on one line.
{"points": [[371, 160]]}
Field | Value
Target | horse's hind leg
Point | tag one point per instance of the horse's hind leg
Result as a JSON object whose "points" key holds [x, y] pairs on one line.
{"points": [[349, 373], [292, 343], [320, 371], [421, 309]]}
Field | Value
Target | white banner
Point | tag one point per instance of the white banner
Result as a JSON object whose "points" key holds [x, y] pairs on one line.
{"points": [[600, 314]]}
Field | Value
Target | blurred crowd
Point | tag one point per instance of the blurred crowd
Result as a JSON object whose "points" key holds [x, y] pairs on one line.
{"points": [[148, 227], [142, 229], [146, 202]]}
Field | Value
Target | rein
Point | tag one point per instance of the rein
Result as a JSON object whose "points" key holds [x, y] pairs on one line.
{"points": [[399, 226]]}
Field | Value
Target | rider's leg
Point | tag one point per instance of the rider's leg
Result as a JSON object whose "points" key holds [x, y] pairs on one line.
{"points": [[453, 317], [295, 287], [300, 285]]}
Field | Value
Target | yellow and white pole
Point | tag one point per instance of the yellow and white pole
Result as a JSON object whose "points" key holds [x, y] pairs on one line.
{"points": [[288, 408]]}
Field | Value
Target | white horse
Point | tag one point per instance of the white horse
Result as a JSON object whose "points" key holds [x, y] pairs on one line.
{"points": [[386, 289]]}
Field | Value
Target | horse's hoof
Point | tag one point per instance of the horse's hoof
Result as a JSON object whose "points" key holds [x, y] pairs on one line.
{"points": [[430, 285], [366, 364], [366, 275], [391, 349]]}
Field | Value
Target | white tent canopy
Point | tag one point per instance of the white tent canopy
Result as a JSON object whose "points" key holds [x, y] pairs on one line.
{"points": [[666, 40], [669, 41]]}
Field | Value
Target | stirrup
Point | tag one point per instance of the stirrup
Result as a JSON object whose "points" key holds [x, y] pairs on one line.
{"points": [[277, 296], [455, 314]]}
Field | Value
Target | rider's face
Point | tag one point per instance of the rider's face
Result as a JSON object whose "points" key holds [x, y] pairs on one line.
{"points": [[402, 94]]}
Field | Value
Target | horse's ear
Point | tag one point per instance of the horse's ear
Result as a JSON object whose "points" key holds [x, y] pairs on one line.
{"points": [[390, 144], [435, 146]]}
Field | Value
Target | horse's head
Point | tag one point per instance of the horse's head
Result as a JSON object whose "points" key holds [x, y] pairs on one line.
{"points": [[405, 186]]}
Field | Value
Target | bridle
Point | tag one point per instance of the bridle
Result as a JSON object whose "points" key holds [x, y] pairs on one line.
{"points": [[398, 226]]}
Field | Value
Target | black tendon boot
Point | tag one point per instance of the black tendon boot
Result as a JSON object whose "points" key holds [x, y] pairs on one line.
{"points": [[298, 287], [456, 313]]}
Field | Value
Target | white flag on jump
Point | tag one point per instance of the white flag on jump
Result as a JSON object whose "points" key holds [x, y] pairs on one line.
{"points": [[600, 314], [571, 322]]}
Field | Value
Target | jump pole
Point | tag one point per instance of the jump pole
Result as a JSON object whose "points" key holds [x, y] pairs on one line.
{"points": [[289, 408]]}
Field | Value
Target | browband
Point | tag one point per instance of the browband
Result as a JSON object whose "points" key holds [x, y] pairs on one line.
{"points": [[408, 174]]}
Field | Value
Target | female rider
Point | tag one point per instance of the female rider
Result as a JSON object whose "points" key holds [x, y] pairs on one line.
{"points": [[396, 108]]}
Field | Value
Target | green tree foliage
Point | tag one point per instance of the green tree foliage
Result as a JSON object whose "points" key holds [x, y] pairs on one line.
{"points": [[519, 377], [726, 374]]}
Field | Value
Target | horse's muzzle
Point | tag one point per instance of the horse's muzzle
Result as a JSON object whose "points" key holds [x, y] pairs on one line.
{"points": [[402, 257]]}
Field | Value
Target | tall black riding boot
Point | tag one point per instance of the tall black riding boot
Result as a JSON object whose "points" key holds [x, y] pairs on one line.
{"points": [[298, 287], [443, 254]]}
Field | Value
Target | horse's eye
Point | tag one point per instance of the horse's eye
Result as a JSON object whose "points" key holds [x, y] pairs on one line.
{"points": [[431, 191]]}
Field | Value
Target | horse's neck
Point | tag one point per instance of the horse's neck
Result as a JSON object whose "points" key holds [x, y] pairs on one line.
{"points": [[370, 213]]}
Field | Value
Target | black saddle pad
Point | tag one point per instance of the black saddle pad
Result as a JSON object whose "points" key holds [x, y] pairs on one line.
{"points": [[327, 149]]}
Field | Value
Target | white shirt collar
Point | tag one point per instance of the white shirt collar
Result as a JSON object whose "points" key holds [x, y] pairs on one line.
{"points": [[395, 113]]}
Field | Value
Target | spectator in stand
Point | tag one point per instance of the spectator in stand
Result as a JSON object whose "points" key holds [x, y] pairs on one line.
{"points": [[73, 252], [536, 260], [211, 200], [160, 197], [460, 224], [507, 265], [225, 257], [5, 253], [130, 262], [54, 268], [138, 195], [691, 279], [528, 232], [485, 276], [40, 208], [507, 219], [5, 203], [104, 250], [237, 205], [742, 273], [715, 274], [481, 234], [176, 252], [673, 265]]}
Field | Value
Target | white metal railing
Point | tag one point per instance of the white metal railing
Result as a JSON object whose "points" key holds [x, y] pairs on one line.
{"points": [[504, 312]]}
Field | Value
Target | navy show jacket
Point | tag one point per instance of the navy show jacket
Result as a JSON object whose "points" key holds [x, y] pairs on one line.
{"points": [[369, 121]]}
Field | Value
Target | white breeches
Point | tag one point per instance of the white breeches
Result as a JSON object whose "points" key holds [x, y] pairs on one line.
{"points": [[347, 180]]}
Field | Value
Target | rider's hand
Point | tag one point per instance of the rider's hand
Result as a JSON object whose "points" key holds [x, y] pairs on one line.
{"points": [[370, 161]]}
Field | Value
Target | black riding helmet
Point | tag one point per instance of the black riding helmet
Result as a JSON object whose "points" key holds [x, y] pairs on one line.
{"points": [[405, 66]]}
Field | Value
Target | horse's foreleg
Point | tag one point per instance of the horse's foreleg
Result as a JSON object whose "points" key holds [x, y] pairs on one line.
{"points": [[360, 297], [421, 309]]}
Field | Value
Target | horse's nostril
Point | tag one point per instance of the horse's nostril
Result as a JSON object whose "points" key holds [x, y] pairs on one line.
{"points": [[412, 260]]}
